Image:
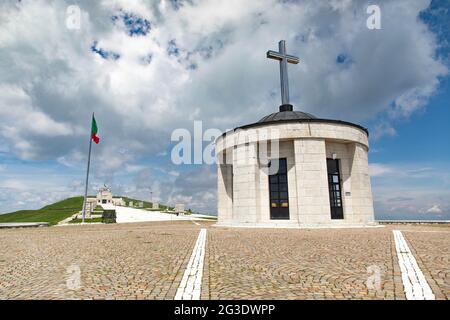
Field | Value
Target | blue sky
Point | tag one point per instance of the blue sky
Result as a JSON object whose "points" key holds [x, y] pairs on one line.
{"points": [[147, 69], [415, 160]]}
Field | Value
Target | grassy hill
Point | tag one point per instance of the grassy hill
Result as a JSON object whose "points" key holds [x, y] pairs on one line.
{"points": [[58, 211], [146, 203], [52, 213]]}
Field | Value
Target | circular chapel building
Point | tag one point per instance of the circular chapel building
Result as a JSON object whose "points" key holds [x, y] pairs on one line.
{"points": [[291, 169]]}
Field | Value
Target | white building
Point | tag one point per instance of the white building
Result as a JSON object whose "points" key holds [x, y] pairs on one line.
{"points": [[322, 177], [105, 197], [322, 180]]}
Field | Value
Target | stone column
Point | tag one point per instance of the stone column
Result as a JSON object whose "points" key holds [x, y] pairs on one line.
{"points": [[312, 181], [225, 192], [361, 188], [344, 153], [245, 183]]}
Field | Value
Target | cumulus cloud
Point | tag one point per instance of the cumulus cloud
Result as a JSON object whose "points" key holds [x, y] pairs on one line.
{"points": [[382, 129], [416, 191], [378, 169], [216, 70], [196, 188], [434, 209], [173, 62], [22, 192]]}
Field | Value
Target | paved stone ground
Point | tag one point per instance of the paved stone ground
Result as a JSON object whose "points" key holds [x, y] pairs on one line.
{"points": [[130, 261], [432, 247], [147, 261]]}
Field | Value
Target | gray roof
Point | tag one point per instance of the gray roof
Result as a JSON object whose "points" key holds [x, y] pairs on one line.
{"points": [[287, 115]]}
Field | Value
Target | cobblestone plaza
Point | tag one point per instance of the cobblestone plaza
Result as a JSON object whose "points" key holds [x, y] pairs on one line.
{"points": [[148, 260]]}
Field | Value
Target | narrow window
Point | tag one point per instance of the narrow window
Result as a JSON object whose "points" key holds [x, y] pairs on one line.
{"points": [[278, 192], [334, 187]]}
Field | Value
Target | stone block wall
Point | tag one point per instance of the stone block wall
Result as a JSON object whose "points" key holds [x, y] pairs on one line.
{"points": [[285, 150], [344, 153], [225, 192], [311, 178], [361, 188], [243, 187]]}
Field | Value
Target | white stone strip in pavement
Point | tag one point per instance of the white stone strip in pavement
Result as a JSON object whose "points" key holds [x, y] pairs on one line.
{"points": [[191, 283], [414, 283]]}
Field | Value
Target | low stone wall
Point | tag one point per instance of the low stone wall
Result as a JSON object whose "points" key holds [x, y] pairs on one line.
{"points": [[413, 221], [23, 225]]}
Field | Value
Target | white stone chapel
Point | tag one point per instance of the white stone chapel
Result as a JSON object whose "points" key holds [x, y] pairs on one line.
{"points": [[291, 169]]}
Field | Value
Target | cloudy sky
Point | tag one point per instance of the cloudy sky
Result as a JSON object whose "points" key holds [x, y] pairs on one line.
{"points": [[147, 68]]}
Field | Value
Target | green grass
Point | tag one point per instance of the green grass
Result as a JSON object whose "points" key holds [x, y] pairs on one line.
{"points": [[86, 220], [147, 205], [52, 213], [61, 210], [210, 218]]}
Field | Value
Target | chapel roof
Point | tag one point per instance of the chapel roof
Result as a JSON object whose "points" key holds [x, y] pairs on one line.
{"points": [[287, 114]]}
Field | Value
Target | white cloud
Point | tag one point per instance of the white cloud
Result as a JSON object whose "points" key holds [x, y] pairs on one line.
{"points": [[378, 169], [20, 121], [382, 129], [57, 81], [414, 191], [131, 168], [51, 81], [434, 209], [13, 184]]}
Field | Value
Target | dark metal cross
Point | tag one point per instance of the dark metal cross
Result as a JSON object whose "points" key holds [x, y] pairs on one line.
{"points": [[284, 60]]}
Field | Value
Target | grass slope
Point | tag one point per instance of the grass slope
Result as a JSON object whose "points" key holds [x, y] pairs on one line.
{"points": [[58, 211], [146, 203], [52, 213]]}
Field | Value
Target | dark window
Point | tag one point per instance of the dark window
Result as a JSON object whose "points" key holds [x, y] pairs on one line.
{"points": [[278, 190], [334, 186]]}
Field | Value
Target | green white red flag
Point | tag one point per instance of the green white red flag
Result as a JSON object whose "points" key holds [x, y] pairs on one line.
{"points": [[94, 131]]}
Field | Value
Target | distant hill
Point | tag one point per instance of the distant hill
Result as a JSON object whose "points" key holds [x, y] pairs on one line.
{"points": [[53, 213], [145, 203]]}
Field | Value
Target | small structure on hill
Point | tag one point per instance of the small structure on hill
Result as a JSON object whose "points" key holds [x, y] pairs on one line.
{"points": [[179, 208], [104, 197]]}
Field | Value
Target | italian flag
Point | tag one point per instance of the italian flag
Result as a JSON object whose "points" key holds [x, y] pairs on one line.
{"points": [[94, 131]]}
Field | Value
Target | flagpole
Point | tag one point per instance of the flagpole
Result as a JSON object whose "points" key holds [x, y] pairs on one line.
{"points": [[87, 173]]}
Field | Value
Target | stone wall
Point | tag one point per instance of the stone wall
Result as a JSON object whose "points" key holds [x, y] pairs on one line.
{"points": [[292, 131], [312, 181], [285, 150], [243, 187], [225, 192]]}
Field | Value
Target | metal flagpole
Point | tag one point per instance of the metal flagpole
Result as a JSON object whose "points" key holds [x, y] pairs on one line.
{"points": [[87, 171]]}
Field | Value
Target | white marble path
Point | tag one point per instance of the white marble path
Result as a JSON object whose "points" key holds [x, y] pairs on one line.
{"points": [[126, 215], [414, 283], [191, 283]]}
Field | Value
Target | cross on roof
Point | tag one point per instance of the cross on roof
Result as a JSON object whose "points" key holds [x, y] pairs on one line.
{"points": [[284, 59]]}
